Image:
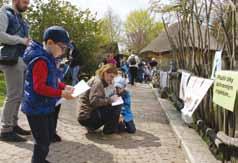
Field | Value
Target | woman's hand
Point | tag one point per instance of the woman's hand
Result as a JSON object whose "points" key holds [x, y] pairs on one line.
{"points": [[114, 98]]}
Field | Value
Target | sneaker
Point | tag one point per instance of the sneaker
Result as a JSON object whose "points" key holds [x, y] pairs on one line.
{"points": [[56, 138], [20, 131], [111, 137], [11, 137], [91, 131]]}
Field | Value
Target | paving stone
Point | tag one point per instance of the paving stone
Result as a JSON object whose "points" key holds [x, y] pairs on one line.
{"points": [[154, 141]]}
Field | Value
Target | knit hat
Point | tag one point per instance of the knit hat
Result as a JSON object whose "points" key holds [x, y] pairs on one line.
{"points": [[57, 34], [120, 82]]}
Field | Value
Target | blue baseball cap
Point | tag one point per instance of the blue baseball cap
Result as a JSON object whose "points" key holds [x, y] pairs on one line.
{"points": [[120, 82], [57, 34]]}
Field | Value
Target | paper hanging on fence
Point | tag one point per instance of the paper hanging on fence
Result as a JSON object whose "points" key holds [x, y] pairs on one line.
{"points": [[163, 79], [225, 89], [217, 64], [119, 101], [183, 85], [195, 92], [80, 88]]}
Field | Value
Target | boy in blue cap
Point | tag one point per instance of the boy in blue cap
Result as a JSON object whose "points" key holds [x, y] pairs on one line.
{"points": [[42, 88], [126, 121]]}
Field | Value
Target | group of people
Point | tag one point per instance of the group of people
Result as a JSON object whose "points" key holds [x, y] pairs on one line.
{"points": [[33, 84], [96, 107], [135, 69]]}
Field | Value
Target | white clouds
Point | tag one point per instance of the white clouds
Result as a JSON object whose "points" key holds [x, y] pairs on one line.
{"points": [[120, 7]]}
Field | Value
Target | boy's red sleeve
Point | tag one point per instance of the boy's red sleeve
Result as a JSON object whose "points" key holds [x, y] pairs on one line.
{"points": [[61, 85], [40, 73]]}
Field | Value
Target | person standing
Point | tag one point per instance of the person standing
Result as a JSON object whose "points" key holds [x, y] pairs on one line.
{"points": [[111, 59], [75, 64], [14, 39], [42, 88], [133, 61], [153, 63]]}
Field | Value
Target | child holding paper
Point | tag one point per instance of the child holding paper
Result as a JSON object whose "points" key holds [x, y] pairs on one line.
{"points": [[42, 88], [126, 122]]}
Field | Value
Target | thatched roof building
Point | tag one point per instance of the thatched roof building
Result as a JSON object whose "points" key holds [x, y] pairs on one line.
{"points": [[161, 44]]}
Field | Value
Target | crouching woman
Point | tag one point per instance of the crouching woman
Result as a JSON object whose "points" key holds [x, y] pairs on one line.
{"points": [[95, 109]]}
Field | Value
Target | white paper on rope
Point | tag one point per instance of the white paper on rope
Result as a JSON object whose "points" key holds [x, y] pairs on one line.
{"points": [[217, 64], [183, 85], [195, 92], [163, 79]]}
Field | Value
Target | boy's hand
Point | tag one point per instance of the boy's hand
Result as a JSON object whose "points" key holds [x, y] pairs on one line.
{"points": [[120, 120], [67, 94], [69, 88]]}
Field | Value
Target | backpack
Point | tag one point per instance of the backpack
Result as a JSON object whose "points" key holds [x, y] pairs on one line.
{"points": [[132, 60]]}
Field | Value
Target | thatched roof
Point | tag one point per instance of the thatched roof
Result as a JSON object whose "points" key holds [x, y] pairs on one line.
{"points": [[162, 44]]}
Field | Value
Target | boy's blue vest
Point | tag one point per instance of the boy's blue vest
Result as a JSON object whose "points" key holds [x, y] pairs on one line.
{"points": [[33, 103]]}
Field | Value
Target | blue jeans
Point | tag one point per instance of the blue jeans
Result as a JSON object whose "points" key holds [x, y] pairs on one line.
{"points": [[128, 127], [42, 127], [74, 73]]}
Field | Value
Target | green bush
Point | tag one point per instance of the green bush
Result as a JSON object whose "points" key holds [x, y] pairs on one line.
{"points": [[2, 89]]}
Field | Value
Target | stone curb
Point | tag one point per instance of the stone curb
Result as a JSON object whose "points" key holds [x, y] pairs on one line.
{"points": [[195, 149]]}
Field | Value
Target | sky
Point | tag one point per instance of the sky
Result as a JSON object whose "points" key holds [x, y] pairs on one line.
{"points": [[120, 7]]}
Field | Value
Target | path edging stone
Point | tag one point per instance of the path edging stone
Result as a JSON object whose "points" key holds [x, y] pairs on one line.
{"points": [[195, 149]]}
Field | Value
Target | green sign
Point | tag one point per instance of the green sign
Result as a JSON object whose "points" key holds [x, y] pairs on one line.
{"points": [[225, 88]]}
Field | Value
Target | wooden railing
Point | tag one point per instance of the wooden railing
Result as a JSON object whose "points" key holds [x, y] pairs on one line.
{"points": [[217, 126]]}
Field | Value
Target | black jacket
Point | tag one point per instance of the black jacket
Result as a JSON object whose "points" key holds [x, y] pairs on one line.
{"points": [[76, 58]]}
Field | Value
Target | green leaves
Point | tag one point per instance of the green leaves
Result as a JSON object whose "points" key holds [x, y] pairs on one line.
{"points": [[82, 26], [3, 2], [141, 28]]}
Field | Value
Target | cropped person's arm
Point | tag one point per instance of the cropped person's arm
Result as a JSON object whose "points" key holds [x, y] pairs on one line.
{"points": [[6, 38]]}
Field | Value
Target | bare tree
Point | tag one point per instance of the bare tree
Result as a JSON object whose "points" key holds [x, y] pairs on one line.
{"points": [[218, 18]]}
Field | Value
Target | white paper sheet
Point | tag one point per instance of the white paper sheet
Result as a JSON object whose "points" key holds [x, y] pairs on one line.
{"points": [[196, 90], [60, 101], [163, 79], [217, 64], [184, 84], [119, 101], [80, 88]]}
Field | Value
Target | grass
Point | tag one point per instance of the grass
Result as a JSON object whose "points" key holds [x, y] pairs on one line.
{"points": [[2, 89]]}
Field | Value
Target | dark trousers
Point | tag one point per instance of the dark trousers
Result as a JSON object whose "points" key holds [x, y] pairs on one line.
{"points": [[133, 72], [56, 117], [103, 116], [42, 128], [127, 127]]}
